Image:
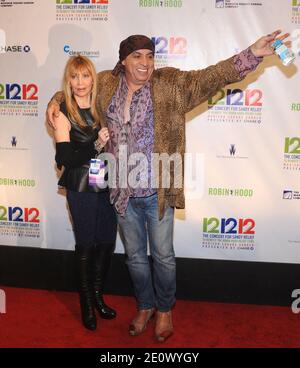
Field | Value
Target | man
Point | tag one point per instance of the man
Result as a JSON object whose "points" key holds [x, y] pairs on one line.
{"points": [[144, 110]]}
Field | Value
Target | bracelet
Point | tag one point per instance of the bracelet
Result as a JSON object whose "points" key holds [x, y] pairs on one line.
{"points": [[98, 146]]}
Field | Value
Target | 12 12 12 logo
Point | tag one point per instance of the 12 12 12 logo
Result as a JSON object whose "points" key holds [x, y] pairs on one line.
{"points": [[18, 214], [170, 46], [214, 225], [237, 97], [15, 91]]}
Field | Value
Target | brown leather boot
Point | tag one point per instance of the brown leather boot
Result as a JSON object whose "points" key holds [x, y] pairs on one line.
{"points": [[163, 326], [139, 324]]}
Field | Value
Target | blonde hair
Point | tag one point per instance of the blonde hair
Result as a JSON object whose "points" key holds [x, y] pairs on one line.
{"points": [[75, 64]]}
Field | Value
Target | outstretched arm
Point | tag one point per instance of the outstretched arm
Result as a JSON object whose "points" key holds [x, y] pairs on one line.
{"points": [[200, 85]]}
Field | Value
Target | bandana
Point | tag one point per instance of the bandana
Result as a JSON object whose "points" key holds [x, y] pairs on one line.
{"points": [[129, 45]]}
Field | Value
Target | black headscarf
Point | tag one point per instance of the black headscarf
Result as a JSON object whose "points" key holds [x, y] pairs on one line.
{"points": [[129, 45]]}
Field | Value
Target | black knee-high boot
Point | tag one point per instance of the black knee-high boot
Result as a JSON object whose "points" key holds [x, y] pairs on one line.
{"points": [[84, 257], [103, 253]]}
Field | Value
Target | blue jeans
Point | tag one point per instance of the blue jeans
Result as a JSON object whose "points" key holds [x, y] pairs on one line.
{"points": [[141, 221]]}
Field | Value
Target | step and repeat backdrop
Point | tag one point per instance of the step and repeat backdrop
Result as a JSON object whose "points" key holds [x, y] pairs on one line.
{"points": [[243, 145]]}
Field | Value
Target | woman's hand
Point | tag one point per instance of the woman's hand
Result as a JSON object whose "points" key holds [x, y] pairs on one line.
{"points": [[103, 136], [52, 113]]}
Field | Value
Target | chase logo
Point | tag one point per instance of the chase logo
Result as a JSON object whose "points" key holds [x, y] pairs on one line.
{"points": [[14, 48]]}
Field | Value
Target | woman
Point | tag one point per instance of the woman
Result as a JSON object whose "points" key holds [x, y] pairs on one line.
{"points": [[77, 135]]}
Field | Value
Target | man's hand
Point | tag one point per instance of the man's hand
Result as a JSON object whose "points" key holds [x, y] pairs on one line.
{"points": [[263, 46], [52, 113]]}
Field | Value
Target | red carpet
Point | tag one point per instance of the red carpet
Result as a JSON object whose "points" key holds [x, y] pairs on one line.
{"points": [[36, 318]]}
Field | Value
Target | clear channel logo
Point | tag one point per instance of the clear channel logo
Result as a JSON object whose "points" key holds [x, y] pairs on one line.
{"points": [[90, 54]]}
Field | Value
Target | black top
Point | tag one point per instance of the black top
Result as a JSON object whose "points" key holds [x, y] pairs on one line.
{"points": [[75, 156]]}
